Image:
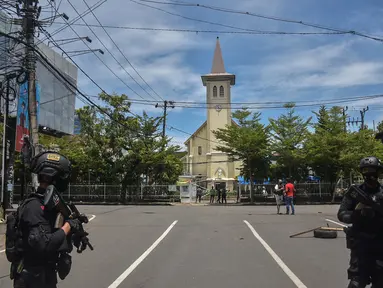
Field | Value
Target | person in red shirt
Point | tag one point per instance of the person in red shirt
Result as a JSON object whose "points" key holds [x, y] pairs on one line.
{"points": [[289, 197]]}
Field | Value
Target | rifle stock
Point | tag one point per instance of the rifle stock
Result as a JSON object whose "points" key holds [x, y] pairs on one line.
{"points": [[66, 212], [358, 194]]}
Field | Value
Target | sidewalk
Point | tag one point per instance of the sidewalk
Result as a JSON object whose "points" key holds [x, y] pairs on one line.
{"points": [[2, 236]]}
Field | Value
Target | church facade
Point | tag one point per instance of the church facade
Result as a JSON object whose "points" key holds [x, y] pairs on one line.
{"points": [[212, 167]]}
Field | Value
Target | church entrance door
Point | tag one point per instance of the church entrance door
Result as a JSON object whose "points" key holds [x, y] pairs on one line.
{"points": [[220, 185]]}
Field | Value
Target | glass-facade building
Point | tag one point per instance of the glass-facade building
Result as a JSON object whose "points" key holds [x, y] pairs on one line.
{"points": [[57, 97]]}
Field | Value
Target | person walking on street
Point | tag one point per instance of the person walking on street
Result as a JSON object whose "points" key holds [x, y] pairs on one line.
{"points": [[219, 190], [278, 194], [199, 195], [224, 195], [289, 197], [212, 194]]}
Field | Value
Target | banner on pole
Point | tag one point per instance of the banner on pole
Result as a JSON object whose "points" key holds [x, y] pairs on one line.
{"points": [[22, 124]]}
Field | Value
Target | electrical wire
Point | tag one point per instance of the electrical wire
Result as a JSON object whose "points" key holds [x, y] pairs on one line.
{"points": [[259, 32], [223, 25], [127, 60], [65, 79], [190, 134], [106, 48], [68, 23], [320, 101], [82, 70], [99, 58], [226, 10]]}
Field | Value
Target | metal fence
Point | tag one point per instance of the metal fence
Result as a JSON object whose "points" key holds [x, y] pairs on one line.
{"points": [[103, 193], [322, 192]]}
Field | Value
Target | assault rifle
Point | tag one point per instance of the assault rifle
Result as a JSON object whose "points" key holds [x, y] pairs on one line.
{"points": [[361, 196], [53, 200]]}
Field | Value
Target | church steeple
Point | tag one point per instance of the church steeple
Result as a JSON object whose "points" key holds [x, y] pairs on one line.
{"points": [[218, 66], [218, 71]]}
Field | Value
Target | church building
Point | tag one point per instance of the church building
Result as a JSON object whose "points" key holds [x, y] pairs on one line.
{"points": [[203, 160]]}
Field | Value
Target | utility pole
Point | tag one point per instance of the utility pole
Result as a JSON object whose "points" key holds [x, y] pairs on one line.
{"points": [[31, 13], [344, 109], [165, 106], [7, 149], [362, 113]]}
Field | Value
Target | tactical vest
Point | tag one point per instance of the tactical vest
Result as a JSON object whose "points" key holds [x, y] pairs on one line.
{"points": [[13, 235]]}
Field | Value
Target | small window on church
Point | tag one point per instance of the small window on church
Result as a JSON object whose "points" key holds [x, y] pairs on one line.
{"points": [[221, 91], [199, 150], [215, 91]]}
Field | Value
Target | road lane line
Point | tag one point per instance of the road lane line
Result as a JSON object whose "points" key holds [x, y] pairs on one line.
{"points": [[131, 268], [337, 223], [279, 261], [90, 219]]}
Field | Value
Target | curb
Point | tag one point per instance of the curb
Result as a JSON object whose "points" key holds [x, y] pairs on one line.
{"points": [[120, 204]]}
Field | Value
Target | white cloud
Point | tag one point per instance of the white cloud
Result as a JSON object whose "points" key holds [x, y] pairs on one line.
{"points": [[327, 66]]}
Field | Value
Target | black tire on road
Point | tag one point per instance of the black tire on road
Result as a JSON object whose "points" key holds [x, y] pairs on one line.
{"points": [[325, 234]]}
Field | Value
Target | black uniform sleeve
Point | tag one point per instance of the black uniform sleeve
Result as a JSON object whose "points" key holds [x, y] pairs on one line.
{"points": [[40, 235], [347, 207]]}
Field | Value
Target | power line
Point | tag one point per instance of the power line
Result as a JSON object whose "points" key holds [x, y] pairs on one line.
{"points": [[258, 32], [317, 102], [226, 10], [106, 48], [66, 80], [218, 24], [232, 107], [67, 24], [190, 134], [87, 75], [127, 60], [193, 19]]}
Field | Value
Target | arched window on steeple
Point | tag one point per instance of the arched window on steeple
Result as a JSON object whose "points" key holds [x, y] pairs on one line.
{"points": [[215, 91], [221, 91]]}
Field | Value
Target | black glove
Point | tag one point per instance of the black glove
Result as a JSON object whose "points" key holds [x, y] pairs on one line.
{"points": [[81, 241], [75, 225]]}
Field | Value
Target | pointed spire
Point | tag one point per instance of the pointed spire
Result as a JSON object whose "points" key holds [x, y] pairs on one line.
{"points": [[218, 65]]}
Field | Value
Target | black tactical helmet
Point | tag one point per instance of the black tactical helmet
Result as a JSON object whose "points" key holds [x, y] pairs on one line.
{"points": [[370, 166], [55, 166]]}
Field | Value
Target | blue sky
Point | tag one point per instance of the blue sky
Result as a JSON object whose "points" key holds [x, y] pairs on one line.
{"points": [[267, 67]]}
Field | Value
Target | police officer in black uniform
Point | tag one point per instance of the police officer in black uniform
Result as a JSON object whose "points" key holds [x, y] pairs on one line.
{"points": [[45, 248], [365, 237]]}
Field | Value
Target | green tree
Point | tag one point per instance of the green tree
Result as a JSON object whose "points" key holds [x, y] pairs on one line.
{"points": [[379, 127], [128, 146], [289, 132], [323, 149], [249, 142], [121, 148], [360, 144]]}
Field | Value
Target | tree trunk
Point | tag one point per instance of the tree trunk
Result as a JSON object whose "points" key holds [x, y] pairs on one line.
{"points": [[251, 187]]}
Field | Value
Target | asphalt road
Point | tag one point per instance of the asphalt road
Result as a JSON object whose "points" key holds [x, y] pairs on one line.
{"points": [[205, 246]]}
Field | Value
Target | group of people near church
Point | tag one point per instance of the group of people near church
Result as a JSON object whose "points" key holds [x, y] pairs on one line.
{"points": [[284, 193], [220, 192]]}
